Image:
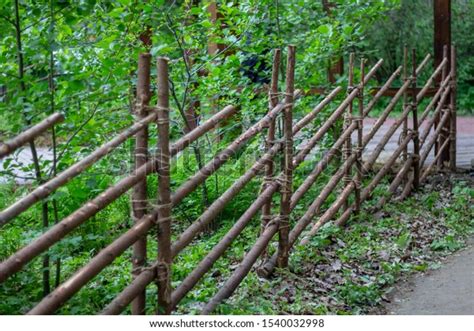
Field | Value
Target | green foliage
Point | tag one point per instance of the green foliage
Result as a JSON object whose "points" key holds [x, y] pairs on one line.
{"points": [[80, 59], [411, 24], [449, 243]]}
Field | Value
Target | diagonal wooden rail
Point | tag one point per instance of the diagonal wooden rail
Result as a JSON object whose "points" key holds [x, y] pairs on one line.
{"points": [[353, 175]]}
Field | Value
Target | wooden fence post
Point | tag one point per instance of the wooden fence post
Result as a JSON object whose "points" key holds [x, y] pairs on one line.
{"points": [[416, 138], [164, 192], [139, 195], [347, 149], [452, 102], [442, 39], [269, 170], [443, 133], [360, 134], [286, 186], [405, 101]]}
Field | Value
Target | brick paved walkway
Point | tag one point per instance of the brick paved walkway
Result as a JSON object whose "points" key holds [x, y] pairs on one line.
{"points": [[465, 140]]}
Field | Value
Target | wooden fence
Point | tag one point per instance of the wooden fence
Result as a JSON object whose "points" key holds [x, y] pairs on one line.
{"points": [[351, 171]]}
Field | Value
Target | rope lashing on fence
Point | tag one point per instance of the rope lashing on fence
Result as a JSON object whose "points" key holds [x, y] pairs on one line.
{"points": [[160, 220], [411, 134], [402, 172], [357, 118], [161, 121], [144, 268], [279, 94], [124, 184], [268, 267], [136, 231], [274, 141], [58, 231], [276, 220], [144, 155], [203, 220], [283, 182], [271, 183], [227, 290], [139, 204]]}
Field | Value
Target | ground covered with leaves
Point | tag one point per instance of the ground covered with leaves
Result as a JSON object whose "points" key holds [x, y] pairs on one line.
{"points": [[353, 270]]}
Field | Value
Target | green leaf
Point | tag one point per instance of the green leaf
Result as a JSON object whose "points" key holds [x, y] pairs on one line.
{"points": [[324, 29], [403, 240]]}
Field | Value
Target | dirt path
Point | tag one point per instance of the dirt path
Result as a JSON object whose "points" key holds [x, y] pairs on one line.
{"points": [[445, 291]]}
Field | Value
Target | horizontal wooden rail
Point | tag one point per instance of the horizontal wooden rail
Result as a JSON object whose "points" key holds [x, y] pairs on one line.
{"points": [[44, 190], [427, 171], [268, 267], [351, 186], [373, 184], [107, 255], [29, 135], [213, 210], [60, 230], [312, 142], [437, 111], [391, 92]]}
